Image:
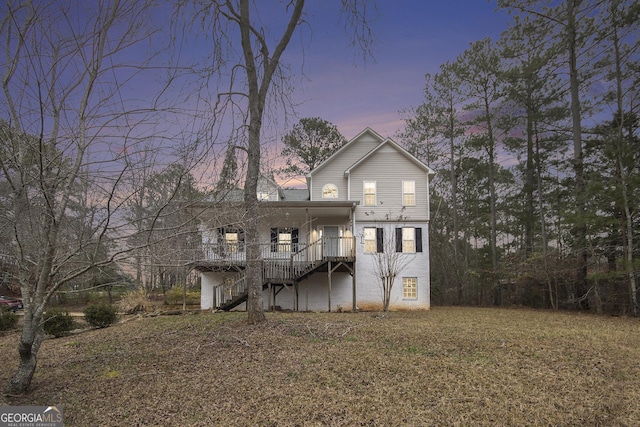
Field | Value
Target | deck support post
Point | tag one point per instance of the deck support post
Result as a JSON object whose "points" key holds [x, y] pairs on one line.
{"points": [[354, 307], [330, 271]]}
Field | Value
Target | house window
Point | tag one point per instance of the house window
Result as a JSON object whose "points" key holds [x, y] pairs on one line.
{"points": [[330, 191], [408, 193], [409, 239], [409, 287], [370, 240], [373, 240], [263, 195], [369, 193], [231, 239], [284, 239]]}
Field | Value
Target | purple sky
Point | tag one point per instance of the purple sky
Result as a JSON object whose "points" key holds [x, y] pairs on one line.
{"points": [[413, 38]]}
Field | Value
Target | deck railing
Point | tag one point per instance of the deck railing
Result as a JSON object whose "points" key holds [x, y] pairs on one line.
{"points": [[280, 263], [235, 253]]}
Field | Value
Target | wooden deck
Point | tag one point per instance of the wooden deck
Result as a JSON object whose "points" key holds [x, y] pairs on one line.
{"points": [[280, 265]]}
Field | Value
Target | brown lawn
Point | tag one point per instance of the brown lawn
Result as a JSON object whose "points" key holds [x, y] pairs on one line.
{"points": [[449, 366]]}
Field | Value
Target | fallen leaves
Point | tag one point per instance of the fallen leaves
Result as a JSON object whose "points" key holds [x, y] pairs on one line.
{"points": [[448, 366]]}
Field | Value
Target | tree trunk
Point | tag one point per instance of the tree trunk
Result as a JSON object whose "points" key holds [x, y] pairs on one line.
{"points": [[553, 296], [578, 162], [257, 91], [492, 192], [30, 341], [627, 227], [529, 184]]}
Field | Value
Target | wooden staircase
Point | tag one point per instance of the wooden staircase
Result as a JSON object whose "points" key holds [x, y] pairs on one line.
{"points": [[283, 271]]}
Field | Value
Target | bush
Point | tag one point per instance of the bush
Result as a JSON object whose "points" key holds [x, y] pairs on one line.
{"points": [[8, 319], [100, 315], [174, 296], [134, 302], [58, 322]]}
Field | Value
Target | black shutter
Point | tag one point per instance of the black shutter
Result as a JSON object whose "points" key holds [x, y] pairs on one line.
{"points": [[418, 239], [379, 240], [241, 240], [274, 240], [398, 239], [294, 240]]}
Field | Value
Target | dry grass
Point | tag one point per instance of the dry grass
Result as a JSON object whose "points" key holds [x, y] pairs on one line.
{"points": [[449, 366]]}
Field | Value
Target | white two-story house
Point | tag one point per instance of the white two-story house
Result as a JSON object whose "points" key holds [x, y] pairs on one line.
{"points": [[322, 246]]}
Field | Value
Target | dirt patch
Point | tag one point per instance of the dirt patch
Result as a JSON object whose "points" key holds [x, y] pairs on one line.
{"points": [[447, 366]]}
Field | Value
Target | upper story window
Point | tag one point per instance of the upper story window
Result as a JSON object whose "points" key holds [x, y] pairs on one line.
{"points": [[330, 191], [263, 195], [369, 193], [408, 193]]}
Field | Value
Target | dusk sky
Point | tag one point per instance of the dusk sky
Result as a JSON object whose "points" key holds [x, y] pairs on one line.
{"points": [[413, 37]]}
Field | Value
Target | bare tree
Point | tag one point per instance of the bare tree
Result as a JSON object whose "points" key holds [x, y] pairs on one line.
{"points": [[67, 130], [256, 77], [390, 260]]}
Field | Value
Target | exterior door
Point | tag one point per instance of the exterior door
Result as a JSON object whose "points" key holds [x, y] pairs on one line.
{"points": [[331, 238]]}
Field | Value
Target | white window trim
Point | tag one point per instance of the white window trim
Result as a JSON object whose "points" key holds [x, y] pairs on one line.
{"points": [[415, 288], [285, 241], [330, 187], [375, 241], [404, 193], [412, 240], [364, 193]]}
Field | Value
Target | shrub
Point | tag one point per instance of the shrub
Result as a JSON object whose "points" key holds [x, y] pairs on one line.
{"points": [[174, 296], [8, 319], [134, 302], [58, 322], [100, 315]]}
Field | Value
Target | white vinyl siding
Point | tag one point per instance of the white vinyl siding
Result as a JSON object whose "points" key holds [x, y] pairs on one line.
{"points": [[390, 169], [333, 171]]}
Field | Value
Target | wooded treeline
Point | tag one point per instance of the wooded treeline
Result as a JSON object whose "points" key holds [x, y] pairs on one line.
{"points": [[535, 140]]}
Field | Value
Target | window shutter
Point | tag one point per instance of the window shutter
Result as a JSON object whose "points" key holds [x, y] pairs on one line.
{"points": [[294, 240], [241, 240], [274, 240], [379, 240], [418, 239], [398, 239]]}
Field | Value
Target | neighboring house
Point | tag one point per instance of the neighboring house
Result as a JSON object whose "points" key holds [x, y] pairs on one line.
{"points": [[320, 244]]}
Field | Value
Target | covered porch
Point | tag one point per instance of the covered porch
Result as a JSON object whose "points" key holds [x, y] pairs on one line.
{"points": [[300, 240]]}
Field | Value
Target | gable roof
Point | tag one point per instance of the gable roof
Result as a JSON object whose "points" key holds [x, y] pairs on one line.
{"points": [[367, 130], [391, 143]]}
